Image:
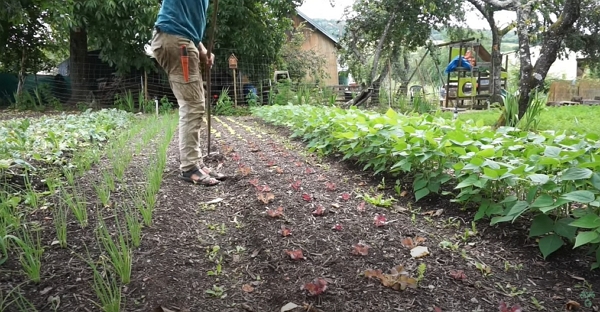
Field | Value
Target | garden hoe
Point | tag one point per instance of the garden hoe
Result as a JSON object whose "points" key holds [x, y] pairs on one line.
{"points": [[211, 42]]}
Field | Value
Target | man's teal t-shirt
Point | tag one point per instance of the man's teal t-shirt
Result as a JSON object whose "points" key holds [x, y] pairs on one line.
{"points": [[186, 18]]}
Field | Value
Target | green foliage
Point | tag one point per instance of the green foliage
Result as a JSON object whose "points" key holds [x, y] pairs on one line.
{"points": [[407, 31], [51, 140], [506, 174], [254, 31]]}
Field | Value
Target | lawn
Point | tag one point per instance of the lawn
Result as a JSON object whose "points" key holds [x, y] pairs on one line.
{"points": [[325, 210], [565, 118]]}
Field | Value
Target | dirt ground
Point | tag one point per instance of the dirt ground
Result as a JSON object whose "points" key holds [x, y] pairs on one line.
{"points": [[467, 269]]}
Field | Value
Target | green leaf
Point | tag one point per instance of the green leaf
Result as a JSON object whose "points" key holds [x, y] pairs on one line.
{"points": [[573, 174], [589, 221], [586, 238], [583, 197], [518, 208], [550, 244], [539, 178], [563, 228], [543, 200], [491, 173], [596, 180], [421, 193], [541, 224], [552, 151]]}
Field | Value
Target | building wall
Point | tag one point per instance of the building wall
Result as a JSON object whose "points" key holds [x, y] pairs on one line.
{"points": [[320, 43]]}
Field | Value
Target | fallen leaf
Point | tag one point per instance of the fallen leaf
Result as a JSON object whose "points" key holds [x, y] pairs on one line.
{"points": [[309, 170], [214, 201], [244, 170], [317, 287], [458, 275], [247, 288], [275, 213], [330, 186], [437, 309], [254, 182], [265, 197], [360, 249], [419, 252], [319, 211], [296, 185], [45, 291], [380, 220], [398, 278], [337, 227], [434, 213], [345, 196], [412, 242], [295, 254], [271, 163], [285, 231], [263, 188], [306, 197], [279, 170], [403, 193], [573, 305], [289, 307], [298, 164], [235, 157], [361, 207]]}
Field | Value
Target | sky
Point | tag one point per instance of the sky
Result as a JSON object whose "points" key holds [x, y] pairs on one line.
{"points": [[322, 9]]}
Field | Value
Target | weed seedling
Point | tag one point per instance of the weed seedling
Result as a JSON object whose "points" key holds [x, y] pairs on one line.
{"points": [[421, 269], [217, 292]]}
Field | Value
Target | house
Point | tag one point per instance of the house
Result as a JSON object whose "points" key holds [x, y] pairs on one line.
{"points": [[317, 39]]}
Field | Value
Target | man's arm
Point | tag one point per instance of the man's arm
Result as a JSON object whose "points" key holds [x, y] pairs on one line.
{"points": [[202, 49]]}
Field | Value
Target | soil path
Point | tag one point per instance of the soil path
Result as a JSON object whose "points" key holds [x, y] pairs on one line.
{"points": [[190, 234]]}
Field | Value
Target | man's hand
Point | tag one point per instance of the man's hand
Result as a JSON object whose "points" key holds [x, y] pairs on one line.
{"points": [[204, 56]]}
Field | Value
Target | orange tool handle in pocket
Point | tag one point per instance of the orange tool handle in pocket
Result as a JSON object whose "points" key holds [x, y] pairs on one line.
{"points": [[185, 63]]}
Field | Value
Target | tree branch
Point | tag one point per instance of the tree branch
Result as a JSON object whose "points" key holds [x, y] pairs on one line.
{"points": [[380, 45], [501, 4], [502, 32]]}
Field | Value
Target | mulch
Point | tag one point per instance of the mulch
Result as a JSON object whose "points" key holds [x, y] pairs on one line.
{"points": [[171, 267]]}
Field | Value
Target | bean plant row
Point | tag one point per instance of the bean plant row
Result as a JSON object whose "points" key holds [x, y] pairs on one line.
{"points": [[548, 178]]}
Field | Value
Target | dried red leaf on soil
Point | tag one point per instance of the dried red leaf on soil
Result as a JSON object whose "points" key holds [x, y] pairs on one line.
{"points": [[295, 254], [275, 213], [279, 170], [458, 275], [321, 178], [345, 196], [296, 185], [270, 163], [337, 227], [285, 231], [245, 170], [360, 249], [412, 242], [380, 220], [330, 186], [298, 164], [437, 309], [316, 287], [263, 188], [265, 197], [319, 211], [235, 157], [398, 278], [572, 305], [254, 182], [361, 207], [247, 288], [504, 308], [307, 197], [309, 170]]}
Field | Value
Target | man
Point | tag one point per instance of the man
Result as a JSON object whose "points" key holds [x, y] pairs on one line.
{"points": [[179, 29]]}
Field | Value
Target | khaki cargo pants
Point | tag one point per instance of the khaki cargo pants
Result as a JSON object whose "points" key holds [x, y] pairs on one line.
{"points": [[190, 95]]}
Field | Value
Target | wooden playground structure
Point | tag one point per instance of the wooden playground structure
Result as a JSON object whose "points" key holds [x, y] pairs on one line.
{"points": [[468, 75]]}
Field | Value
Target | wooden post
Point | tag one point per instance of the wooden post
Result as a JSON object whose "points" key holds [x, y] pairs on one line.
{"points": [[233, 66], [234, 88], [390, 82], [145, 85]]}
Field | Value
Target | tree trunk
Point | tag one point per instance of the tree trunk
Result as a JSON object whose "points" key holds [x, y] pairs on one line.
{"points": [[380, 46], [496, 81], [77, 66], [21, 84], [526, 71]]}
